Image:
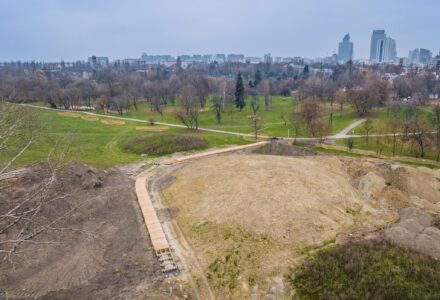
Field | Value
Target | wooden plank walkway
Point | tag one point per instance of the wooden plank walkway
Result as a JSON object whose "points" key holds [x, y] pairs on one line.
{"points": [[158, 239]]}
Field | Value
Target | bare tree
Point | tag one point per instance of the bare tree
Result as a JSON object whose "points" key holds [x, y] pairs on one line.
{"points": [[415, 132], [190, 107], [435, 120], [368, 127], [254, 118], [217, 105]]}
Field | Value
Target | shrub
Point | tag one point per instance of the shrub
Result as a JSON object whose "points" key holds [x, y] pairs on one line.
{"points": [[350, 143], [162, 144], [367, 270]]}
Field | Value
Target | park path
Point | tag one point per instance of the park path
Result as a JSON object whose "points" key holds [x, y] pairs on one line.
{"points": [[343, 134]]}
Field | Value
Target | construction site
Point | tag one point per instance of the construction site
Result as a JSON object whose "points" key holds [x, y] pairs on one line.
{"points": [[227, 214], [220, 224]]}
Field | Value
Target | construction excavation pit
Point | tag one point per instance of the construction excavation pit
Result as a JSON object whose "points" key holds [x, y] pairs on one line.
{"points": [[239, 222]]}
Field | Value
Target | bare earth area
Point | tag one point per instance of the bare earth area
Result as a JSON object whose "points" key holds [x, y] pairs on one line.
{"points": [[100, 251], [251, 217]]}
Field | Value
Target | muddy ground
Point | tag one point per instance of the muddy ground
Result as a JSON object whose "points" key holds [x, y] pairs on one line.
{"points": [[99, 251]]}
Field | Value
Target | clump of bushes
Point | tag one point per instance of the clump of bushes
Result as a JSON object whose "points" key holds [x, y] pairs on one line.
{"points": [[367, 270], [162, 144]]}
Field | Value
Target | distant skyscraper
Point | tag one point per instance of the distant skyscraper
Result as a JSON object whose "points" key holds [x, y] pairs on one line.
{"points": [[383, 48], [420, 56], [345, 52]]}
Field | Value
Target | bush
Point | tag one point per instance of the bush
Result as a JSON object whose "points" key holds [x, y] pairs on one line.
{"points": [[367, 270], [162, 144], [350, 143]]}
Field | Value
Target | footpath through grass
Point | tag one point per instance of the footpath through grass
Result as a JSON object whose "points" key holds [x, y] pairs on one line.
{"points": [[275, 121], [99, 142]]}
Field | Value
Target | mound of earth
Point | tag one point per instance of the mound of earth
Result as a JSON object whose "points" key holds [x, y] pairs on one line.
{"points": [[94, 246], [293, 200], [251, 217]]}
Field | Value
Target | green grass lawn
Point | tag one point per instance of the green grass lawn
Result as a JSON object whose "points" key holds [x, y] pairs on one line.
{"points": [[97, 144], [382, 116], [234, 120], [385, 146]]}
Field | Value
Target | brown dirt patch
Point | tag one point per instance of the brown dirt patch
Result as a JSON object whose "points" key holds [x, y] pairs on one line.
{"points": [[154, 128], [100, 251], [70, 114], [113, 122], [89, 118]]}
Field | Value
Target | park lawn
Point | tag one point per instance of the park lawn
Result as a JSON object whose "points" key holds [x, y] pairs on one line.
{"points": [[385, 145], [97, 144], [236, 121], [381, 117]]}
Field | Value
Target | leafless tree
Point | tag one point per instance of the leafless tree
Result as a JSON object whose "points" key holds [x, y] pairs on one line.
{"points": [[435, 120], [415, 132], [368, 127], [190, 107], [19, 218], [217, 105]]}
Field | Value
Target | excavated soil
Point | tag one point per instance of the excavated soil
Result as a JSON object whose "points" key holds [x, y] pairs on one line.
{"points": [[100, 251], [264, 212]]}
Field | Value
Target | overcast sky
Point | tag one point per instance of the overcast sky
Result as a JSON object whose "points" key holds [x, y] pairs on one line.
{"points": [[75, 29]]}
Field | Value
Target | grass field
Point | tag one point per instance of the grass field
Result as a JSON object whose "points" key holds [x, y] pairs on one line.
{"points": [[234, 120], [98, 142], [382, 116]]}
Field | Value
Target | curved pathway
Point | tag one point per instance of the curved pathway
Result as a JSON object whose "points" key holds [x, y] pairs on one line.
{"points": [[343, 134]]}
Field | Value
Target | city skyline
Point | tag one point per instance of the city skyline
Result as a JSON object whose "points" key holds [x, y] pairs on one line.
{"points": [[75, 30]]}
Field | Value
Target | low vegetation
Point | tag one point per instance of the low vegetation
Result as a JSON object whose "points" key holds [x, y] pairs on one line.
{"points": [[367, 270], [163, 144]]}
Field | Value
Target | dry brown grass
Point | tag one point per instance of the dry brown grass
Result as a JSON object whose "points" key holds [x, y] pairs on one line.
{"points": [[70, 114], [90, 118], [113, 122], [154, 128]]}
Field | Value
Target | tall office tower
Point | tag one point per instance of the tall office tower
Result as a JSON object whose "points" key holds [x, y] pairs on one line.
{"points": [[345, 52], [383, 49], [377, 46], [390, 50]]}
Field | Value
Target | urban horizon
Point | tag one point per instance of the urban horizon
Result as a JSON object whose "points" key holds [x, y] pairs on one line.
{"points": [[383, 49]]}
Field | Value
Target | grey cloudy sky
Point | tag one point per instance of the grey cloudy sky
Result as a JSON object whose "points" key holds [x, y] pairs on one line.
{"points": [[75, 29]]}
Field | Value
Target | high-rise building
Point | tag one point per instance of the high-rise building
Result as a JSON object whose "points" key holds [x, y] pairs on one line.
{"points": [[383, 49], [345, 52], [98, 61], [420, 56], [268, 58]]}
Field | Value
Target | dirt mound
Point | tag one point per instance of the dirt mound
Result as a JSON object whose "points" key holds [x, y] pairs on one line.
{"points": [[247, 215], [390, 185], [98, 250], [301, 201]]}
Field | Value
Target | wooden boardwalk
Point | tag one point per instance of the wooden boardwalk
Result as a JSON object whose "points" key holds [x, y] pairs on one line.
{"points": [[158, 239]]}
